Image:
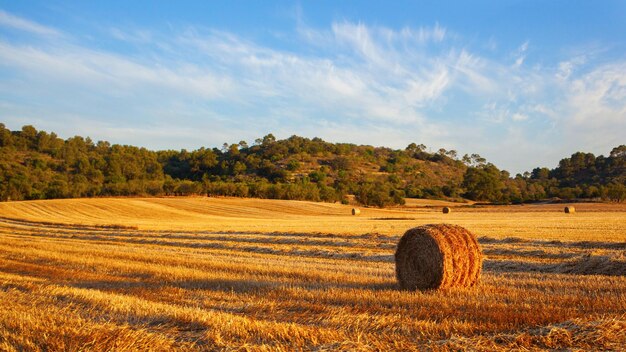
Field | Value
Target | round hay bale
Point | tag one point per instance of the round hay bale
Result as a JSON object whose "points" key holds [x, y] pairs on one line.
{"points": [[446, 210], [356, 211], [569, 210], [438, 256]]}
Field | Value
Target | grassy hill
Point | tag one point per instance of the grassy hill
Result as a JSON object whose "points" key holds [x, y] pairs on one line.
{"points": [[40, 165]]}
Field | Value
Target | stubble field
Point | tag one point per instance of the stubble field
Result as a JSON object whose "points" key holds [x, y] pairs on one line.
{"points": [[247, 274]]}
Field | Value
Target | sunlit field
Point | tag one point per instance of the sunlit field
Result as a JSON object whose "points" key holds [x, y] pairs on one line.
{"points": [[247, 274]]}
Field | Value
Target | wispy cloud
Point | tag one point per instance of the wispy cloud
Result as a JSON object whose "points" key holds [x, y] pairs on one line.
{"points": [[566, 68], [110, 72], [595, 108], [136, 36], [11, 21], [349, 82], [520, 54]]}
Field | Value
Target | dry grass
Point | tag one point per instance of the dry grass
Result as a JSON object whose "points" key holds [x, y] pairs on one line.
{"points": [[603, 222], [245, 274]]}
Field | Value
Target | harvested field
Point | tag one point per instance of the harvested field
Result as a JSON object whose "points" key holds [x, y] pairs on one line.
{"points": [[233, 274], [603, 222]]}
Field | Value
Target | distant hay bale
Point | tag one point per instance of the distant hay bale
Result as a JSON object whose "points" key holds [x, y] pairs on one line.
{"points": [[569, 210], [438, 256], [356, 211], [446, 210]]}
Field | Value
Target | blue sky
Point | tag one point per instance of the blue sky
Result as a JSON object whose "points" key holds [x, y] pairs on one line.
{"points": [[523, 83]]}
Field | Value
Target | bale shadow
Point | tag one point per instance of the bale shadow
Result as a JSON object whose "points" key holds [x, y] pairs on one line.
{"points": [[218, 285], [555, 243], [587, 264], [537, 253], [392, 218]]}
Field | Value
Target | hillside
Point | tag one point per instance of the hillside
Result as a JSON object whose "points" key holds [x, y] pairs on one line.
{"points": [[40, 165]]}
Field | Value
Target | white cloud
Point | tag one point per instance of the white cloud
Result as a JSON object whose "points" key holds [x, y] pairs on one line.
{"points": [[475, 74], [543, 110], [351, 82], [359, 38], [421, 92], [523, 47], [211, 64], [519, 117], [360, 82], [134, 36], [422, 35], [600, 94], [104, 71], [566, 68], [595, 108], [520, 54], [11, 21]]}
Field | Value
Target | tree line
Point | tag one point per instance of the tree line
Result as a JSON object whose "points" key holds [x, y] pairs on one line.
{"points": [[40, 165]]}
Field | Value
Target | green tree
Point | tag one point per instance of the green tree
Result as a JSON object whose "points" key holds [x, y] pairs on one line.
{"points": [[616, 192], [483, 183]]}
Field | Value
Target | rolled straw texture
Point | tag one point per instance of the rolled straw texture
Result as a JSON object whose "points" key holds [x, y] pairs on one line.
{"points": [[438, 256]]}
